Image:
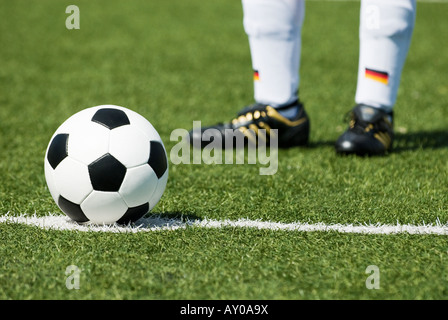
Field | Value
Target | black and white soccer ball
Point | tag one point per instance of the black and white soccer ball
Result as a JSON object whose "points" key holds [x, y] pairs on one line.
{"points": [[106, 164]]}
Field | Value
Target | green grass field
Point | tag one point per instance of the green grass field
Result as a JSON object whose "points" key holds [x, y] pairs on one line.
{"points": [[178, 61]]}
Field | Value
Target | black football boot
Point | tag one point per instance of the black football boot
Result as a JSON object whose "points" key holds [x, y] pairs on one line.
{"points": [[370, 132], [249, 121]]}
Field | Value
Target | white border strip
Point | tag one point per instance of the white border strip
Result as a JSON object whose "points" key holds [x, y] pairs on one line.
{"points": [[421, 1], [158, 223]]}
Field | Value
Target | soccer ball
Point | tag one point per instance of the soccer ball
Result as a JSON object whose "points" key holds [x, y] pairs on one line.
{"points": [[105, 165]]}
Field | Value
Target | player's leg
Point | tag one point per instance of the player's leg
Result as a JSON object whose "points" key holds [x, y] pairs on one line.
{"points": [[274, 31], [385, 33]]}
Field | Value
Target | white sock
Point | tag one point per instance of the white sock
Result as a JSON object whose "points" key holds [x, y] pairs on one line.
{"points": [[274, 31], [385, 33]]}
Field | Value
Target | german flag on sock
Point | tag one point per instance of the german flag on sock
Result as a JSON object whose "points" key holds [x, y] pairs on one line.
{"points": [[256, 75], [376, 75]]}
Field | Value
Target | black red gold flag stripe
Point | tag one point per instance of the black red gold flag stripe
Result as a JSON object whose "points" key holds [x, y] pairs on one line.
{"points": [[376, 75], [256, 75]]}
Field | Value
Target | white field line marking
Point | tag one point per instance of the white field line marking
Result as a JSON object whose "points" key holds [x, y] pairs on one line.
{"points": [[157, 223]]}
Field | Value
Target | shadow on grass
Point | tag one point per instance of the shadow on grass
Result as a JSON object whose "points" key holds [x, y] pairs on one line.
{"points": [[174, 215], [322, 143], [434, 139]]}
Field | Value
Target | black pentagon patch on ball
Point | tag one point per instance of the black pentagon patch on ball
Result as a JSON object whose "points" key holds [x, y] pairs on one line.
{"points": [[57, 150], [134, 213], [72, 210], [157, 158], [111, 118], [106, 173]]}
